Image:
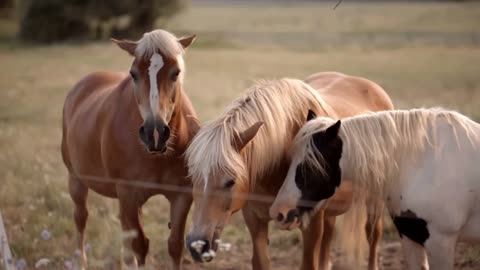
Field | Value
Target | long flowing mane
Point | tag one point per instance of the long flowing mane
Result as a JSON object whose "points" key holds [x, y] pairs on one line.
{"points": [[376, 142], [160, 40], [280, 104]]}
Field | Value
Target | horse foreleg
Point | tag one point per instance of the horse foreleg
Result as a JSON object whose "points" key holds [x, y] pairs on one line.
{"points": [[179, 207], [79, 194], [259, 232], [130, 214], [415, 255], [441, 250], [328, 232], [312, 241], [374, 230]]}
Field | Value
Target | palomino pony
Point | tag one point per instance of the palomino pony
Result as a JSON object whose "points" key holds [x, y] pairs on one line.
{"points": [[124, 133], [423, 163], [246, 150]]}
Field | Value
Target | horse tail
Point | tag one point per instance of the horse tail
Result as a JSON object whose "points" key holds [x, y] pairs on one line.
{"points": [[358, 229]]}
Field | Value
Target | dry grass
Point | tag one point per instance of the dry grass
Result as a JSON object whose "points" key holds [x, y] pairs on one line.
{"points": [[34, 81], [348, 17]]}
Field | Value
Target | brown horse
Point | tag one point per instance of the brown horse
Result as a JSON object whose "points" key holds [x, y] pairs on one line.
{"points": [[122, 134], [245, 151]]}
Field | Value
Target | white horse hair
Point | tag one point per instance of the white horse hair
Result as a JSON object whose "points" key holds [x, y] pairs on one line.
{"points": [[423, 163]]}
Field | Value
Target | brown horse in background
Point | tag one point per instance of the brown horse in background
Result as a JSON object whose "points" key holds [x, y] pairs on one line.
{"points": [[244, 153], [122, 134]]}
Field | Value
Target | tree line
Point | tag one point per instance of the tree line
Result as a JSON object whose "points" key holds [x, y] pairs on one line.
{"points": [[59, 20]]}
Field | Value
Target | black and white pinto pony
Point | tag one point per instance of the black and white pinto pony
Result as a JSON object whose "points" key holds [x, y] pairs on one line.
{"points": [[423, 163]]}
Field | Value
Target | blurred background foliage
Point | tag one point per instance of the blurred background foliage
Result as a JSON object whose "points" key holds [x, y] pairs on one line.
{"points": [[46, 21]]}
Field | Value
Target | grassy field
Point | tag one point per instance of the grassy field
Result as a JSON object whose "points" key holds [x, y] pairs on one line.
{"points": [[34, 81]]}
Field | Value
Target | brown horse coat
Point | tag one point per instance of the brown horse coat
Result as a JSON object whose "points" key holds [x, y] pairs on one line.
{"points": [[246, 151], [102, 150]]}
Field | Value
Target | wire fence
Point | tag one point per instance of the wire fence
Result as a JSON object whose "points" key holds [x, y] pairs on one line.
{"points": [[250, 196]]}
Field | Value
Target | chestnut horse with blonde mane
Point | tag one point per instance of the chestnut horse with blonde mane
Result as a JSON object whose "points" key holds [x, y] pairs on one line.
{"points": [[244, 154], [123, 134]]}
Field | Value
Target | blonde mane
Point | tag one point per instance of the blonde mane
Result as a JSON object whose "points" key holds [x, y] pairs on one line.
{"points": [[375, 142], [161, 40], [280, 104]]}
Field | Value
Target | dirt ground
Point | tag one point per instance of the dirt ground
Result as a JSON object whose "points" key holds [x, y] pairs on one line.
{"points": [[391, 258]]}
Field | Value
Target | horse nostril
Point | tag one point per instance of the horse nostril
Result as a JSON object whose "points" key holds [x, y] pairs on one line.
{"points": [[292, 214], [280, 217], [166, 132], [141, 132]]}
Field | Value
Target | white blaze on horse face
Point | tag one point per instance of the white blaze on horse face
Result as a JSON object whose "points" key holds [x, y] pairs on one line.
{"points": [[144, 111], [288, 195], [156, 63]]}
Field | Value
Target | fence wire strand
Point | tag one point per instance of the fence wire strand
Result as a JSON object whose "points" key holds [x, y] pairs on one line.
{"points": [[187, 189]]}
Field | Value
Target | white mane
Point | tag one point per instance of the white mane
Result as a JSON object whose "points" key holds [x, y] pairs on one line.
{"points": [[160, 40], [374, 143], [280, 104]]}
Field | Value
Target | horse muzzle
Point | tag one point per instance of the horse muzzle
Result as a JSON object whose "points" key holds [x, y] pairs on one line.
{"points": [[287, 220], [154, 135], [201, 249]]}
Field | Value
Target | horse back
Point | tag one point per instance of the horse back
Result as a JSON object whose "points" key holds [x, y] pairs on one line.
{"points": [[350, 95]]}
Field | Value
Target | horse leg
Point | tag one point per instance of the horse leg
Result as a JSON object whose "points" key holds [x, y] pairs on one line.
{"points": [[130, 215], [79, 193], [179, 207], [441, 250], [328, 231], [312, 240], [258, 229], [374, 230], [415, 255]]}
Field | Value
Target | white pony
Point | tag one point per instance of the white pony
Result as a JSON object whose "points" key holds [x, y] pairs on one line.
{"points": [[424, 163]]}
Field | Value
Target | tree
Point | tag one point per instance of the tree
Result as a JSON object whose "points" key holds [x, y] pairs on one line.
{"points": [[58, 20], [6, 8], [144, 15], [52, 20]]}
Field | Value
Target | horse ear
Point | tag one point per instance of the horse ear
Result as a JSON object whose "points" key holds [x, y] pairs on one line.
{"points": [[311, 115], [243, 138], [187, 40], [322, 138], [193, 124], [126, 45], [332, 131]]}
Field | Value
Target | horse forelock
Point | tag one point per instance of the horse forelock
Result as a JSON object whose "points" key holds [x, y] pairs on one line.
{"points": [[303, 147], [279, 104], [159, 41]]}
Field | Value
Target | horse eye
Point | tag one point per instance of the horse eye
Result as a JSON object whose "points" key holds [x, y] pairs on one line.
{"points": [[133, 75], [175, 75], [229, 184]]}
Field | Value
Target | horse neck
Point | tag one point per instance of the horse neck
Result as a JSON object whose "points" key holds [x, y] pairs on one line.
{"points": [[272, 170], [178, 123]]}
